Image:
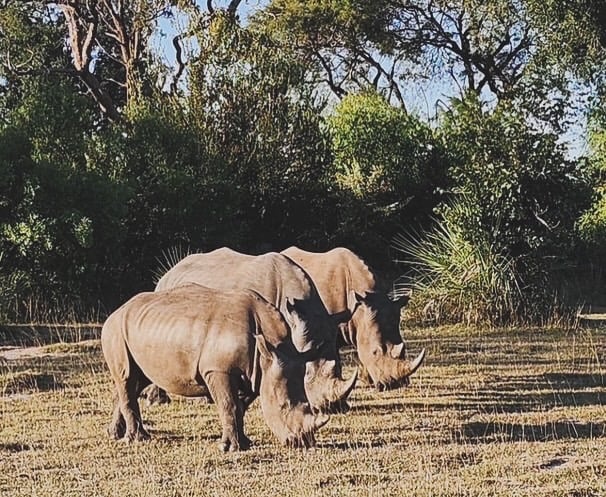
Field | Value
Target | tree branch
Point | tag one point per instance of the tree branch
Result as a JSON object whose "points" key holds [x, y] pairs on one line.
{"points": [[181, 64]]}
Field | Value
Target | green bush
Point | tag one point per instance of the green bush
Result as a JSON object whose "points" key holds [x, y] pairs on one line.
{"points": [[523, 192], [505, 238], [252, 105]]}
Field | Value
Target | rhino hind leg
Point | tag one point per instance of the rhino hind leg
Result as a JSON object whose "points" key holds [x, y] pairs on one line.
{"points": [[117, 426], [126, 411], [224, 392]]}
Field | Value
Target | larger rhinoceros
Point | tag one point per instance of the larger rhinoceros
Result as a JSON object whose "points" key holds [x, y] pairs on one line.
{"points": [[283, 283], [345, 282], [195, 341]]}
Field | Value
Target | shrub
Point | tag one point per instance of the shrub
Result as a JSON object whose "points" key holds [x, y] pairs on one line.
{"points": [[455, 280]]}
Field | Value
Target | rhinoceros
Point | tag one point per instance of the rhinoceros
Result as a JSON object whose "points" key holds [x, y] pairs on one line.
{"points": [[345, 282], [283, 283], [195, 341]]}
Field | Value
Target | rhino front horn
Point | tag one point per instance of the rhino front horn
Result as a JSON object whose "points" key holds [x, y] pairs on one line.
{"points": [[414, 365]]}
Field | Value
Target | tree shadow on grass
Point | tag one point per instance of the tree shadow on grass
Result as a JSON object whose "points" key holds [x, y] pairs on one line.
{"points": [[486, 432], [511, 394], [519, 394], [541, 392], [38, 335], [29, 382]]}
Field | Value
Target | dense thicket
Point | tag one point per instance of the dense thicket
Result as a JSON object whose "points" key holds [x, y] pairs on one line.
{"points": [[298, 126]]}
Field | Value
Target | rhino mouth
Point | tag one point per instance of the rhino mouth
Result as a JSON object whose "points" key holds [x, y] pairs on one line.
{"points": [[400, 378], [392, 384], [340, 406], [302, 441]]}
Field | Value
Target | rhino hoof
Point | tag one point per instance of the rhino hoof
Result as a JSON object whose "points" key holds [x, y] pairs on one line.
{"points": [[138, 436], [245, 443], [116, 431]]}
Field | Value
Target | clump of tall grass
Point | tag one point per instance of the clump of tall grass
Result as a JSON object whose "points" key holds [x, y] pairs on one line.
{"points": [[168, 259], [457, 281]]}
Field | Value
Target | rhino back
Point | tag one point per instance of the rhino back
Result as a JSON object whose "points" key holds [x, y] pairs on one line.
{"points": [[272, 275]]}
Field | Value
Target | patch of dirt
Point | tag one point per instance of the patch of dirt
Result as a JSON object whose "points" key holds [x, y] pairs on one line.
{"points": [[13, 353]]}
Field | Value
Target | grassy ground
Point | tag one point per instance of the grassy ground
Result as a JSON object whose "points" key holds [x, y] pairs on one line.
{"points": [[492, 413]]}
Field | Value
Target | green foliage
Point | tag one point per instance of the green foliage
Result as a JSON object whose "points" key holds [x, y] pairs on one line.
{"points": [[524, 193], [381, 152], [252, 106], [502, 241], [242, 154], [592, 223], [173, 195], [326, 21], [386, 167]]}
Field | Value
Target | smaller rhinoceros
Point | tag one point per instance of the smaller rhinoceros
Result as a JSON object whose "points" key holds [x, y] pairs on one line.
{"points": [[197, 341]]}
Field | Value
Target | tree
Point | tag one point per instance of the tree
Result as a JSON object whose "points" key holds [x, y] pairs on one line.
{"points": [[255, 113], [498, 49]]}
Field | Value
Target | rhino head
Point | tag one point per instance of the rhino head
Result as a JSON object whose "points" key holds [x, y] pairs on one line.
{"points": [[375, 323], [282, 397], [314, 333]]}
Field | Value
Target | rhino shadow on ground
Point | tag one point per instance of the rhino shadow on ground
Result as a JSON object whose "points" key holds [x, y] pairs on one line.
{"points": [[15, 447], [352, 445], [175, 435]]}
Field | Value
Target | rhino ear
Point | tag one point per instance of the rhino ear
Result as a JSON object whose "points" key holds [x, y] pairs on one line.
{"points": [[354, 299], [401, 301], [292, 305]]}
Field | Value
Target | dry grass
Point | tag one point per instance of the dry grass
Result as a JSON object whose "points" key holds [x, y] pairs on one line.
{"points": [[492, 413]]}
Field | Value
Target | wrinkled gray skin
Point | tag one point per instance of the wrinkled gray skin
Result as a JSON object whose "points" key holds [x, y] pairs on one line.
{"points": [[196, 341], [345, 282], [283, 283]]}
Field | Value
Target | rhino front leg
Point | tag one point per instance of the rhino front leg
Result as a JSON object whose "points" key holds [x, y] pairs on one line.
{"points": [[224, 391], [155, 395]]}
